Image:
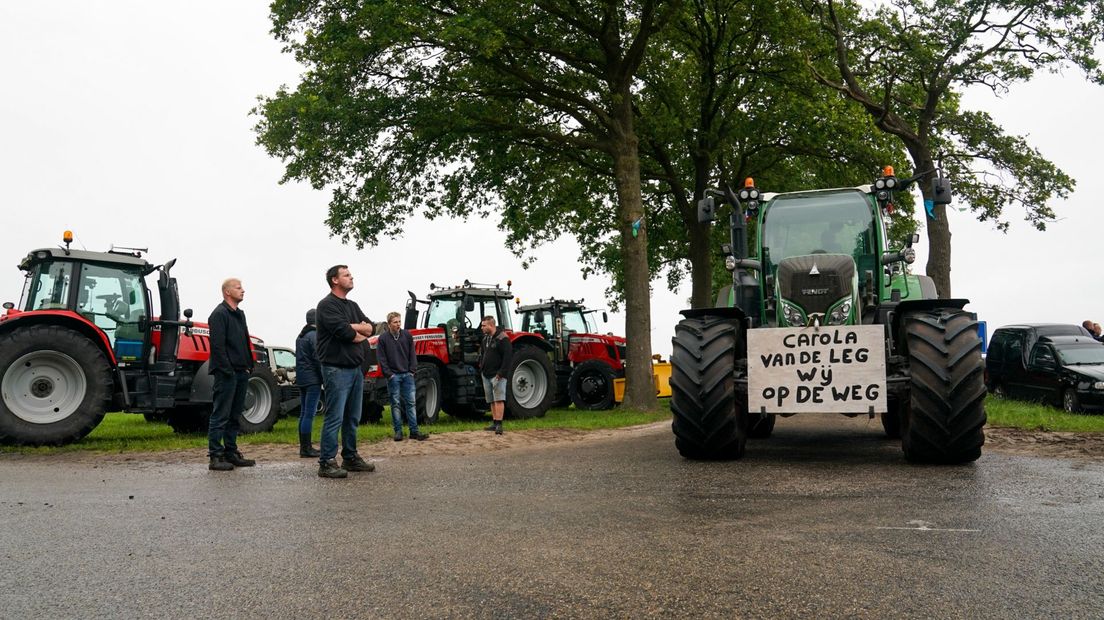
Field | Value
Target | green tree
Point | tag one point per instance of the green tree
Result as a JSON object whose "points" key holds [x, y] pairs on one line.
{"points": [[460, 108], [907, 62]]}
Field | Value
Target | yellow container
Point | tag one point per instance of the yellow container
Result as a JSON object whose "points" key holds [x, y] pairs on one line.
{"points": [[661, 372], [661, 379], [619, 389]]}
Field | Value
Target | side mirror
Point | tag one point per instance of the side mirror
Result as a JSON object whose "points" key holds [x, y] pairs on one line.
{"points": [[915, 238], [187, 313], [941, 190], [539, 317], [469, 304], [605, 317], [707, 210]]}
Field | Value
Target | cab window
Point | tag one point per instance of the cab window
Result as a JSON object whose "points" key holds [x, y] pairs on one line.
{"points": [[284, 358], [575, 322], [113, 299], [49, 287]]}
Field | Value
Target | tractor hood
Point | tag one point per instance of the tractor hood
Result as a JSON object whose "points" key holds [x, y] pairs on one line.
{"points": [[814, 285]]}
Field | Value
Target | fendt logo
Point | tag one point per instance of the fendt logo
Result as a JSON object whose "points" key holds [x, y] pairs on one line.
{"points": [[814, 291]]}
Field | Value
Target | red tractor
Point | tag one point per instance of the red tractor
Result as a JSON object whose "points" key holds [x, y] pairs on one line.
{"points": [[84, 341], [447, 345], [586, 362]]}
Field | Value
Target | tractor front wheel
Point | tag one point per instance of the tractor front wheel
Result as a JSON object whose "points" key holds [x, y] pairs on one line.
{"points": [[710, 414], [427, 393], [591, 386], [262, 402], [55, 385], [530, 388], [943, 418]]}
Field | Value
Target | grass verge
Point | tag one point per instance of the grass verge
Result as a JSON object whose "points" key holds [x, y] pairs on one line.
{"points": [[122, 432], [1035, 417]]}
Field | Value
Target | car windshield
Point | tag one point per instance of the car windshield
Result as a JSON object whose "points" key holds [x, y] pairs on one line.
{"points": [[1091, 354], [835, 222]]}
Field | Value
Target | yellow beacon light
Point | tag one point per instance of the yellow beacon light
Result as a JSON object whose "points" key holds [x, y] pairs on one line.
{"points": [[67, 236], [887, 171]]}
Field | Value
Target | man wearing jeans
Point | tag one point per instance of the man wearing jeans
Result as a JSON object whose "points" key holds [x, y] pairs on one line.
{"points": [[231, 364], [343, 331], [397, 361]]}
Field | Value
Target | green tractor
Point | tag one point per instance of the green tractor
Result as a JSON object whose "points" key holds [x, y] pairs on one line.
{"points": [[822, 317]]}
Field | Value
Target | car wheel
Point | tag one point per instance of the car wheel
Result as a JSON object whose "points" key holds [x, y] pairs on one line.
{"points": [[1070, 402]]}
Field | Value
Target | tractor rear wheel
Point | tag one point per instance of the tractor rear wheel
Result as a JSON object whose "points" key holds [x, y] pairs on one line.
{"points": [[262, 402], [55, 385], [942, 420], [427, 393], [710, 414], [529, 388], [591, 386]]}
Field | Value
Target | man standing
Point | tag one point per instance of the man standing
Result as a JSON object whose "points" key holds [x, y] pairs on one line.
{"points": [[308, 378], [231, 364], [395, 351], [342, 334], [495, 351]]}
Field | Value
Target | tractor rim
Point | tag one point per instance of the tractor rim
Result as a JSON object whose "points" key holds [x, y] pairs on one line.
{"points": [[593, 388], [44, 387], [258, 401], [529, 384], [431, 396]]}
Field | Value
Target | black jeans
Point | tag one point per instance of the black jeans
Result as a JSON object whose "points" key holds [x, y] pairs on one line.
{"points": [[229, 401]]}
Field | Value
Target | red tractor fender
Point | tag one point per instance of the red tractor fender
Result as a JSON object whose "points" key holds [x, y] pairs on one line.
{"points": [[583, 347], [528, 338], [196, 347], [61, 318]]}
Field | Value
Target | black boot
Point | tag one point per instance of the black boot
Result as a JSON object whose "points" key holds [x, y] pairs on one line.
{"points": [[306, 451]]}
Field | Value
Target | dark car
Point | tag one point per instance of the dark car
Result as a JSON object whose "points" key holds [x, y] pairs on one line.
{"points": [[1057, 364]]}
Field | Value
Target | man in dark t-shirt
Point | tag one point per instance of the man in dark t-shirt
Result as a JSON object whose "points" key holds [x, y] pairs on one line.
{"points": [[343, 330]]}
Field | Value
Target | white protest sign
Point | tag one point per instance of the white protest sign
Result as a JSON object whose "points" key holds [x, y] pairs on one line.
{"points": [[817, 369]]}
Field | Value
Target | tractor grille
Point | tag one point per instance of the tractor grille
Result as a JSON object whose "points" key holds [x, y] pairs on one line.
{"points": [[815, 282]]}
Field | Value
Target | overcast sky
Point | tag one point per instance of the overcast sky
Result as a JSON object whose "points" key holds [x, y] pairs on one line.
{"points": [[127, 122]]}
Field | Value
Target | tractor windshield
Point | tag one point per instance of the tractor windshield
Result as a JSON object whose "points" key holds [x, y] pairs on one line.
{"points": [[442, 310], [836, 222], [575, 322]]}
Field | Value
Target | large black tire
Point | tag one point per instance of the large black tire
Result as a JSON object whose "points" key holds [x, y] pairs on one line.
{"points": [[530, 386], [943, 419], [55, 383], [188, 419], [262, 402], [710, 414], [427, 393], [760, 425], [591, 386]]}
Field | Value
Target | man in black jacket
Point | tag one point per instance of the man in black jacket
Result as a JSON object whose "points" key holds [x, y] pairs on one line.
{"points": [[308, 378], [231, 364], [343, 331], [398, 362], [495, 351]]}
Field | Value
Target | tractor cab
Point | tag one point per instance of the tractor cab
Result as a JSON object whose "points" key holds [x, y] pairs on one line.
{"points": [[557, 320], [459, 311], [107, 290]]}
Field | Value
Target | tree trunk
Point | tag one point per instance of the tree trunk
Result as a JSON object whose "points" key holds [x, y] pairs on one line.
{"points": [[939, 229], [639, 387]]}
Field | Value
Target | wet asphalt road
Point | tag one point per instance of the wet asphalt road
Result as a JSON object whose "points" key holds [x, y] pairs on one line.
{"points": [[823, 520]]}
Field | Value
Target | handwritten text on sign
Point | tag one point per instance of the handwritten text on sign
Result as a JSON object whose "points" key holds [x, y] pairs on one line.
{"points": [[808, 370]]}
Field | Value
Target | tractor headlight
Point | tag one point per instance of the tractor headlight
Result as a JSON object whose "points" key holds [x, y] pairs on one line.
{"points": [[909, 255], [792, 314], [730, 262], [1099, 385], [840, 314]]}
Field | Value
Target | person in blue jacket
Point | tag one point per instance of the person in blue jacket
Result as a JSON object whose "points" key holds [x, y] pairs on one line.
{"points": [[308, 378]]}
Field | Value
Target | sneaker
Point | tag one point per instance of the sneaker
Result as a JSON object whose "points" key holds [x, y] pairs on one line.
{"points": [[492, 427], [329, 469], [218, 463], [238, 460], [420, 436], [357, 464], [498, 430], [398, 436]]}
